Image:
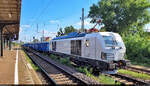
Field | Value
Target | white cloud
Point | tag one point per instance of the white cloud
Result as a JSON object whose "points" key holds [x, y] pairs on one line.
{"points": [[47, 33], [86, 23], [20, 29], [54, 21], [147, 27], [53, 33], [25, 26]]}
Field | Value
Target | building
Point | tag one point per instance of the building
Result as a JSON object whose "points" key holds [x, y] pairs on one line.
{"points": [[45, 39]]}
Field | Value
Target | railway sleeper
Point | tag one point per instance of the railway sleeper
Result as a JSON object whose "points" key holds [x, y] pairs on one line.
{"points": [[97, 66], [66, 81], [61, 79]]}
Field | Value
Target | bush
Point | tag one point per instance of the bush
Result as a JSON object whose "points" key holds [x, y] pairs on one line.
{"points": [[65, 61], [53, 57], [137, 48]]}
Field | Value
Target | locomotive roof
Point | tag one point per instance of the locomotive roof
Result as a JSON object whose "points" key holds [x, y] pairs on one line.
{"points": [[76, 35], [71, 35]]}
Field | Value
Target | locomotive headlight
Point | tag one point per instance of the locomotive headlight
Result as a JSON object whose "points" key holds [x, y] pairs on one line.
{"points": [[87, 43], [104, 56]]}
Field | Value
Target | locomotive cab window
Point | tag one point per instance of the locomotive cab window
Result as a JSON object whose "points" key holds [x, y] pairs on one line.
{"points": [[109, 41]]}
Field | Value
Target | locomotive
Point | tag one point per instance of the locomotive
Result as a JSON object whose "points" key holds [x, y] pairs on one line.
{"points": [[103, 51]]}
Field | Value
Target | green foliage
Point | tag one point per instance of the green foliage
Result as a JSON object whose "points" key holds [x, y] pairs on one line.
{"points": [[101, 78], [35, 40], [80, 69], [30, 61], [65, 61], [135, 74], [53, 57], [67, 30], [15, 44], [60, 32], [121, 15], [107, 80], [137, 48]]}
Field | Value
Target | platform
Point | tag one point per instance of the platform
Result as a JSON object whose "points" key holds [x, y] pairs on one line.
{"points": [[14, 68]]}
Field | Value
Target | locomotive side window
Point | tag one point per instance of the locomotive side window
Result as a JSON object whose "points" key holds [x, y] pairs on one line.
{"points": [[72, 46], [54, 46], [76, 47]]}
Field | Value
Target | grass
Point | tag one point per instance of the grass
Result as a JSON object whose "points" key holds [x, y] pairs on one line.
{"points": [[65, 61], [101, 78], [135, 74], [53, 57], [107, 80], [32, 64], [15, 44]]}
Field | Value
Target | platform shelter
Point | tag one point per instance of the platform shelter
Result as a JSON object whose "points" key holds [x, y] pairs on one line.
{"points": [[10, 11]]}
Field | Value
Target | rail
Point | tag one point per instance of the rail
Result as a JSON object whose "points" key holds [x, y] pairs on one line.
{"points": [[64, 78]]}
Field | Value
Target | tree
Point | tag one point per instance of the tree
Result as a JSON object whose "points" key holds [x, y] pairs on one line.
{"points": [[66, 30], [121, 15], [69, 29], [60, 32], [35, 40], [80, 30]]}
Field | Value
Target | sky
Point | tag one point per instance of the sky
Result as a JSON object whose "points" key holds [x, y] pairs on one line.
{"points": [[50, 15]]}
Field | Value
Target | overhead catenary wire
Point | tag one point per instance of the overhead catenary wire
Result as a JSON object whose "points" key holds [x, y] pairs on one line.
{"points": [[38, 17], [42, 12], [35, 14]]}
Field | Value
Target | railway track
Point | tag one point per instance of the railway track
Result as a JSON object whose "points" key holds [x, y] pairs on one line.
{"points": [[127, 80], [139, 70], [57, 75], [123, 79]]}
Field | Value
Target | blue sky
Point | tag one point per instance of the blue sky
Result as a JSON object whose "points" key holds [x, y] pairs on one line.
{"points": [[51, 15]]}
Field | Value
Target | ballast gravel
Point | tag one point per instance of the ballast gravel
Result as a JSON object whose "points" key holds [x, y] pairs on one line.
{"points": [[72, 70]]}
